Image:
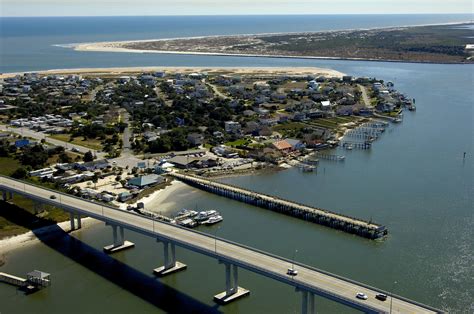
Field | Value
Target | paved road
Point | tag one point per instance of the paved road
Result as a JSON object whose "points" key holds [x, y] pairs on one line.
{"points": [[330, 286], [365, 98], [127, 147], [40, 136], [217, 91]]}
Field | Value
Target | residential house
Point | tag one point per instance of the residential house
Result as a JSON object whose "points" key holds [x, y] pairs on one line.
{"points": [[232, 127], [282, 146], [146, 181], [195, 139]]}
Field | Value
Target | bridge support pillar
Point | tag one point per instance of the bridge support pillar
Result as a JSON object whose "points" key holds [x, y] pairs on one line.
{"points": [[79, 221], [119, 240], [232, 290], [171, 264], [37, 207], [6, 195], [71, 219], [307, 304]]}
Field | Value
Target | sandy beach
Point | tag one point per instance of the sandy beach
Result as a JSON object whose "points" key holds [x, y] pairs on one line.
{"points": [[28, 238], [184, 70], [164, 201]]}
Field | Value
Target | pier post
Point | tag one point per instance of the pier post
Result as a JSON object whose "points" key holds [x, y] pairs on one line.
{"points": [[119, 243], [171, 265], [232, 290], [307, 301]]}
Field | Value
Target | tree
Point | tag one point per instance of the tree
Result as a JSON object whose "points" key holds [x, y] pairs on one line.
{"points": [[88, 157], [95, 179], [64, 158], [20, 173], [34, 156]]}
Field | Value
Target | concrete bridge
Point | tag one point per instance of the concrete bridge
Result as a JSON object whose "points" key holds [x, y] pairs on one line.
{"points": [[309, 281], [320, 216]]}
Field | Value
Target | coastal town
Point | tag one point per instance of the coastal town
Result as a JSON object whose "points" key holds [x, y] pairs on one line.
{"points": [[114, 138]]}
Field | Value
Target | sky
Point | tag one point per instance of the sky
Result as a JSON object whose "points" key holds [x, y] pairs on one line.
{"points": [[228, 7]]}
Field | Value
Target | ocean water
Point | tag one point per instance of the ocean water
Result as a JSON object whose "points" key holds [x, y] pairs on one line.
{"points": [[28, 44], [414, 180]]}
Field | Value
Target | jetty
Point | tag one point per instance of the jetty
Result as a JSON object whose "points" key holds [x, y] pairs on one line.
{"points": [[320, 216]]}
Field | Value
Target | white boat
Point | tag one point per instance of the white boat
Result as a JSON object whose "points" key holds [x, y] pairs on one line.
{"points": [[349, 147], [213, 220], [205, 215]]}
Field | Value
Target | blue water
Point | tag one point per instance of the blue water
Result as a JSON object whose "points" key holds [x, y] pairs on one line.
{"points": [[414, 180], [27, 44]]}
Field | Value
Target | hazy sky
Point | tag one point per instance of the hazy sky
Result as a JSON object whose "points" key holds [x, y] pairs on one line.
{"points": [[230, 7]]}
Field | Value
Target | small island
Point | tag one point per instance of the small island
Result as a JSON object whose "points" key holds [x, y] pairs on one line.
{"points": [[431, 44]]}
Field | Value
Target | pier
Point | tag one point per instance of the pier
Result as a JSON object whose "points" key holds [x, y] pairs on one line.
{"points": [[331, 157], [357, 145], [34, 280], [323, 217]]}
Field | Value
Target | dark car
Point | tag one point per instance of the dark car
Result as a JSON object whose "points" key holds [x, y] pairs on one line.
{"points": [[381, 296], [53, 197]]}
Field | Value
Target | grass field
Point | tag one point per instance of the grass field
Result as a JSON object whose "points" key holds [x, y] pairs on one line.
{"points": [[8, 165], [89, 143]]}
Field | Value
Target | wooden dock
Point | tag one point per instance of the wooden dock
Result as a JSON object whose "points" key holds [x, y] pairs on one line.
{"points": [[320, 216], [331, 157], [13, 280]]}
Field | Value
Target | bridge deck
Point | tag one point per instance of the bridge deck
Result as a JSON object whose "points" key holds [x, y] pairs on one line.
{"points": [[319, 282]]}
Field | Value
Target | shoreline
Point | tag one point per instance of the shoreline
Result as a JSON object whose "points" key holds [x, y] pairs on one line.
{"points": [[138, 69], [28, 238]]}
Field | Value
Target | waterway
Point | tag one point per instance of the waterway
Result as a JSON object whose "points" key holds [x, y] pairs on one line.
{"points": [[414, 180]]}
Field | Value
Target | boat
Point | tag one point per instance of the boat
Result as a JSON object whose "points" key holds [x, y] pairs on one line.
{"points": [[349, 146], [412, 108], [205, 215], [213, 220], [188, 223]]}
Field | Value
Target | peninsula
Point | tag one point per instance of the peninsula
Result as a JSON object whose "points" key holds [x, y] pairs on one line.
{"points": [[114, 135], [431, 44]]}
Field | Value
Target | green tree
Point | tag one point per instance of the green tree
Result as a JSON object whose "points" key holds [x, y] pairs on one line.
{"points": [[20, 173], [88, 157]]}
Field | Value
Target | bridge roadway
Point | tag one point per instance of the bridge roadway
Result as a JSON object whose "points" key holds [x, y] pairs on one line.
{"points": [[309, 279]]}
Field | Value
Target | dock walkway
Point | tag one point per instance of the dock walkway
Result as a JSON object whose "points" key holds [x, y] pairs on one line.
{"points": [[320, 216]]}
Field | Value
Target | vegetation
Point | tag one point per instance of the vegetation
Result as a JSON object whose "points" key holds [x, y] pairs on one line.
{"points": [[442, 43]]}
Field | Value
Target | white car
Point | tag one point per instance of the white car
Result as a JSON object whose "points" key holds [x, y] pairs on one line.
{"points": [[361, 296], [292, 272]]}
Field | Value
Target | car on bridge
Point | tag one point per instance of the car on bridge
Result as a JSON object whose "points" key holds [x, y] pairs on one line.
{"points": [[361, 296], [381, 296], [292, 272], [53, 197]]}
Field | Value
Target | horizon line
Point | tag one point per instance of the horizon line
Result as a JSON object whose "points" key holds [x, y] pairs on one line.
{"points": [[214, 15]]}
